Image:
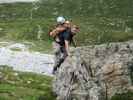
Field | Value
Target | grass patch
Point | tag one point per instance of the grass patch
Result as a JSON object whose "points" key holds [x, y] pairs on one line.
{"points": [[124, 96], [41, 46], [24, 86]]}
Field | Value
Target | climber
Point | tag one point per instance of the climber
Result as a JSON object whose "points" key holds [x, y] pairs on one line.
{"points": [[63, 36]]}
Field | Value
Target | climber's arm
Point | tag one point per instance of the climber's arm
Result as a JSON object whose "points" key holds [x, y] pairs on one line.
{"points": [[57, 30], [61, 29], [67, 47]]}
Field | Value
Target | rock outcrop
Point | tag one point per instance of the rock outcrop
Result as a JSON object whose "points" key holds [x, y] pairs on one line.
{"points": [[95, 72]]}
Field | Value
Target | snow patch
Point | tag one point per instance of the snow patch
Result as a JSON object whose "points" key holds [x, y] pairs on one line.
{"points": [[25, 60], [13, 1]]}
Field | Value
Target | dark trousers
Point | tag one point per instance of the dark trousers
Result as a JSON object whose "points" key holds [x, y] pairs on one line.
{"points": [[60, 55]]}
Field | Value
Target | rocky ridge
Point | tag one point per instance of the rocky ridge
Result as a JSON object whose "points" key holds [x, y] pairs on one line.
{"points": [[95, 72]]}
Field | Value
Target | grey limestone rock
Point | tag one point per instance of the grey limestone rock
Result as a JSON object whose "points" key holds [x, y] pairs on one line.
{"points": [[95, 72]]}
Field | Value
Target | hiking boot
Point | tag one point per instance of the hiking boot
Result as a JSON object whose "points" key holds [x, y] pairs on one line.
{"points": [[54, 70]]}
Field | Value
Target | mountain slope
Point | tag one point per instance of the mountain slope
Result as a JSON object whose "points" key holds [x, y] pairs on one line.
{"points": [[100, 20]]}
